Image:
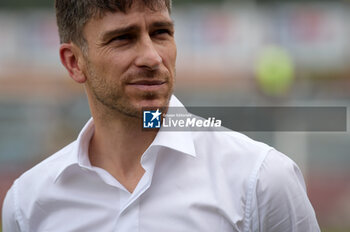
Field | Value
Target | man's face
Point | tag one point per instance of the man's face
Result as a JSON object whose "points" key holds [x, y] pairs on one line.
{"points": [[130, 62]]}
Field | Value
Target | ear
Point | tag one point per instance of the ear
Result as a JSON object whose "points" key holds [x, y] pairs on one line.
{"points": [[72, 59]]}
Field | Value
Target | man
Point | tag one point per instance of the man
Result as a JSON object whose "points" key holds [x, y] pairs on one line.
{"points": [[117, 177]]}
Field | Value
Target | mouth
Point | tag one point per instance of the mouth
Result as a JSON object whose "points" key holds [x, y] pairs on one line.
{"points": [[148, 85]]}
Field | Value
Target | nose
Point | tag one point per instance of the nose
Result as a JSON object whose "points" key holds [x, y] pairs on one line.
{"points": [[148, 56]]}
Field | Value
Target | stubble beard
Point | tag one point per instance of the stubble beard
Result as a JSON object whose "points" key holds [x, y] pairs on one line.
{"points": [[112, 96]]}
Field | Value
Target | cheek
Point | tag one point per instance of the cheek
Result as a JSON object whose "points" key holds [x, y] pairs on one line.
{"points": [[169, 56], [173, 52], [113, 61], [120, 62]]}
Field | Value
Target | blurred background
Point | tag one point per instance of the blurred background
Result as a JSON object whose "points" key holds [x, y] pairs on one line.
{"points": [[230, 53]]}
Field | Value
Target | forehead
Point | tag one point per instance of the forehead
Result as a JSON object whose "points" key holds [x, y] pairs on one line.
{"points": [[138, 14]]}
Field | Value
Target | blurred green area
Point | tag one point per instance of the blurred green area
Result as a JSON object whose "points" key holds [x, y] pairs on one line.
{"points": [[331, 230]]}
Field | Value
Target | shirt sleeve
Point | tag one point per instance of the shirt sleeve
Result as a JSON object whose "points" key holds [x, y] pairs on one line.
{"points": [[282, 201], [9, 220]]}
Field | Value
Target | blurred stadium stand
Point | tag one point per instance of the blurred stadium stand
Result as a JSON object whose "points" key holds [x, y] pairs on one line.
{"points": [[220, 47]]}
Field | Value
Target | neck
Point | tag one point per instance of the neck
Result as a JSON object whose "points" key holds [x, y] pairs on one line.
{"points": [[117, 146]]}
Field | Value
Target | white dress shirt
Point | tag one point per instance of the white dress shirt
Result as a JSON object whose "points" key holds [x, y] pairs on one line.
{"points": [[193, 182]]}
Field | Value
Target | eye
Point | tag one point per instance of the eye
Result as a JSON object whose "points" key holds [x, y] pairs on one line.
{"points": [[161, 32], [122, 38]]}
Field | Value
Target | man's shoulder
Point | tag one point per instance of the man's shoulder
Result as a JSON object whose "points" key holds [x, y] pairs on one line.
{"points": [[234, 152], [46, 171], [231, 143]]}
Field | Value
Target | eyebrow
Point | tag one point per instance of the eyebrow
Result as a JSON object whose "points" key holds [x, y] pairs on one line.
{"points": [[123, 30], [163, 24], [106, 35]]}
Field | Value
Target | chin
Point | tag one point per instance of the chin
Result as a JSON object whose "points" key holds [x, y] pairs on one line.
{"points": [[153, 104], [148, 101]]}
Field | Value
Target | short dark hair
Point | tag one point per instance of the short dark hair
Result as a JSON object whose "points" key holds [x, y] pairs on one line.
{"points": [[72, 15]]}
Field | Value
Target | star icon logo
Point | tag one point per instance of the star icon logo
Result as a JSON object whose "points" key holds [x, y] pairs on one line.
{"points": [[151, 119], [156, 115]]}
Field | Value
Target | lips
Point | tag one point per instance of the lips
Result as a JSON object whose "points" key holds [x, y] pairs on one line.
{"points": [[148, 85], [148, 82]]}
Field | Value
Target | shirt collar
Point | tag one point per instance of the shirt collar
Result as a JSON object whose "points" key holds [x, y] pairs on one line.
{"points": [[78, 155], [181, 141]]}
